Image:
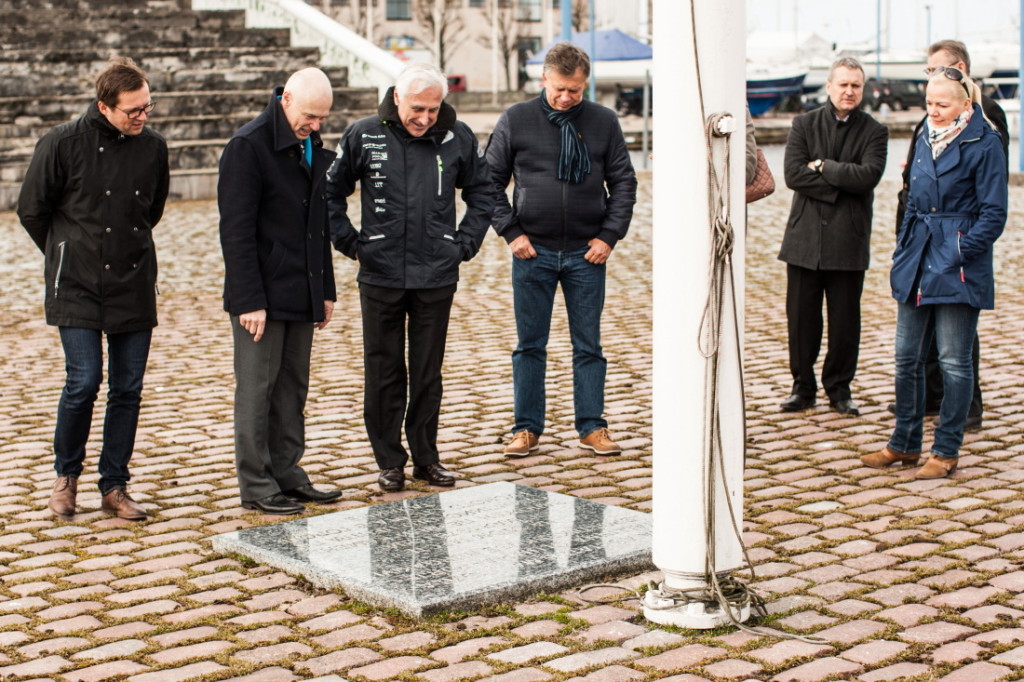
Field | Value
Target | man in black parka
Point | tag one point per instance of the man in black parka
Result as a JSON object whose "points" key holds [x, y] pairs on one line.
{"points": [[835, 157], [409, 160], [93, 193], [278, 286]]}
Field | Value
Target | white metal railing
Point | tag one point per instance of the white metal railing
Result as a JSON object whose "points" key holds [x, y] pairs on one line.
{"points": [[368, 65]]}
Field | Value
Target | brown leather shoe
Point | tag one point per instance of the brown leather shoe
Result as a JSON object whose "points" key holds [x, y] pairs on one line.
{"points": [[600, 441], [880, 460], [937, 467], [118, 502], [522, 444], [62, 499]]}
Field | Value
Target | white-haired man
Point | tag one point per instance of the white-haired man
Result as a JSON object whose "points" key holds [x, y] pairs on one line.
{"points": [[409, 159]]}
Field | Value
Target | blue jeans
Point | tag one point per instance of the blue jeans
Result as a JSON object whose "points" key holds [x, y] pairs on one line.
{"points": [[953, 327], [83, 354], [534, 281]]}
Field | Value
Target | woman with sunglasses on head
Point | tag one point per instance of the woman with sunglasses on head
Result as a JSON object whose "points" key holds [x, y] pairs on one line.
{"points": [[942, 274]]}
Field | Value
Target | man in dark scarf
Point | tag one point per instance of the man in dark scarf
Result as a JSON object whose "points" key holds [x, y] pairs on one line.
{"points": [[573, 200]]}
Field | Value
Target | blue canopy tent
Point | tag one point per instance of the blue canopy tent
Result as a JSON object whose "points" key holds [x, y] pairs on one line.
{"points": [[618, 58]]}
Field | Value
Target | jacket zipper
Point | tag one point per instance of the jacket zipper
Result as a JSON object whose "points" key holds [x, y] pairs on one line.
{"points": [[440, 170], [961, 255], [60, 268]]}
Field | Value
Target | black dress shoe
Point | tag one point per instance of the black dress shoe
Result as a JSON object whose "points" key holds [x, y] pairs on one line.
{"points": [[973, 423], [275, 504], [307, 493], [796, 403], [434, 474], [845, 406], [391, 480]]}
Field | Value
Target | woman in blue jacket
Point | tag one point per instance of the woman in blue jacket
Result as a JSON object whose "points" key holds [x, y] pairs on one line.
{"points": [[942, 268]]}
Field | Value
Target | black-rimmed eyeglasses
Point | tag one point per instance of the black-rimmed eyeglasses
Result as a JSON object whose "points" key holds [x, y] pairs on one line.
{"points": [[138, 111]]}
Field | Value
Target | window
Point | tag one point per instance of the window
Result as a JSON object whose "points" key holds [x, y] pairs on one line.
{"points": [[530, 10], [399, 10], [477, 3]]}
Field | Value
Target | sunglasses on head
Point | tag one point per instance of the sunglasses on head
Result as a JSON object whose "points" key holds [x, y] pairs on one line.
{"points": [[950, 72]]}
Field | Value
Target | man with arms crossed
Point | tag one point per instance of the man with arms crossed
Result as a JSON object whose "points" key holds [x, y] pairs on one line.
{"points": [[835, 157]]}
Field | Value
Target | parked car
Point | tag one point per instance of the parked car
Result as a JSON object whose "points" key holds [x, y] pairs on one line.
{"points": [[456, 82], [897, 94]]}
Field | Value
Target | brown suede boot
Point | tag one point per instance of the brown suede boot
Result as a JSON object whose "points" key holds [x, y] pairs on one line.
{"points": [[62, 499], [880, 460], [937, 467], [120, 504]]}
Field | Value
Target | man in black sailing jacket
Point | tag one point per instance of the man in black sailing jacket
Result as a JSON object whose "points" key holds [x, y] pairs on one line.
{"points": [[408, 160]]}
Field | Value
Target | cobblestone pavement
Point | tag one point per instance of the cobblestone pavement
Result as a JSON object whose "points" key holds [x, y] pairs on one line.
{"points": [[905, 580]]}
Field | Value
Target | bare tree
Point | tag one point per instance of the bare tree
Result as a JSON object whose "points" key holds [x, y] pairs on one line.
{"points": [[502, 20], [580, 14], [441, 23]]}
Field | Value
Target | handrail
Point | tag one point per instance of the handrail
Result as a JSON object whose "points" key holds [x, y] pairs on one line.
{"points": [[367, 64]]}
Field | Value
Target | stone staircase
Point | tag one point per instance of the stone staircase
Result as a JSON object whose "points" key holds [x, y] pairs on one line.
{"points": [[208, 73]]}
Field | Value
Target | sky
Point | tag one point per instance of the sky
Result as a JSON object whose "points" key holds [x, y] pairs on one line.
{"points": [[854, 21]]}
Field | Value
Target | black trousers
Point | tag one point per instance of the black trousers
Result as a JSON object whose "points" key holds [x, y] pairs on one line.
{"points": [[841, 291], [933, 381], [388, 382]]}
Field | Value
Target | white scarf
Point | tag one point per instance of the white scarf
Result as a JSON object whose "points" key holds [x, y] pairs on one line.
{"points": [[939, 138]]}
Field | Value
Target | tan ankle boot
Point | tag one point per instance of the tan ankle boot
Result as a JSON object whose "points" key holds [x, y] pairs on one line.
{"points": [[880, 460], [120, 504], [62, 499], [937, 467]]}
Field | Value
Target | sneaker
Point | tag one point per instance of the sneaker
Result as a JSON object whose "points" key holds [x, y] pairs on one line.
{"points": [[522, 444], [600, 441]]}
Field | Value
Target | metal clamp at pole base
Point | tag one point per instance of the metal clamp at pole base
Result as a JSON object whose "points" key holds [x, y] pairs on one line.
{"points": [[666, 608]]}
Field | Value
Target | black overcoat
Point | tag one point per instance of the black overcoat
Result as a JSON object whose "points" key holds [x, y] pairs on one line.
{"points": [[829, 224], [273, 221]]}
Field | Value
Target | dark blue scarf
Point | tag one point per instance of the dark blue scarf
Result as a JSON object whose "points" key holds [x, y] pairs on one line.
{"points": [[574, 157]]}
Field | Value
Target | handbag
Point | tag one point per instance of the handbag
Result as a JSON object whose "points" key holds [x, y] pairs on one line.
{"points": [[764, 183]]}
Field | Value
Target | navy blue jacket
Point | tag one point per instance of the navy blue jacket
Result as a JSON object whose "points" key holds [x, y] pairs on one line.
{"points": [[554, 213], [273, 221], [956, 209], [408, 237]]}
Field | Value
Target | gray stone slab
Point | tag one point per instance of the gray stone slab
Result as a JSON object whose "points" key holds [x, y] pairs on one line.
{"points": [[455, 549]]}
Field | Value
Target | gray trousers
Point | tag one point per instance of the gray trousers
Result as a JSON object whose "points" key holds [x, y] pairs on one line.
{"points": [[271, 383]]}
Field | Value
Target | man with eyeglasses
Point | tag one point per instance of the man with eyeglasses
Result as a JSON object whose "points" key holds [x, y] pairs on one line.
{"points": [[278, 285], [952, 58], [93, 193]]}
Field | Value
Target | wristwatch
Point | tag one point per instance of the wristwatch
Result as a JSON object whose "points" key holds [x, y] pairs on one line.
{"points": [[818, 164]]}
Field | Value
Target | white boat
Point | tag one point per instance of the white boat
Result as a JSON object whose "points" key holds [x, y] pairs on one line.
{"points": [[768, 86]]}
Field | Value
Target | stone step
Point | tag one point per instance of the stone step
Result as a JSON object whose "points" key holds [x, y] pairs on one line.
{"points": [[30, 117], [18, 26], [121, 41], [201, 68]]}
